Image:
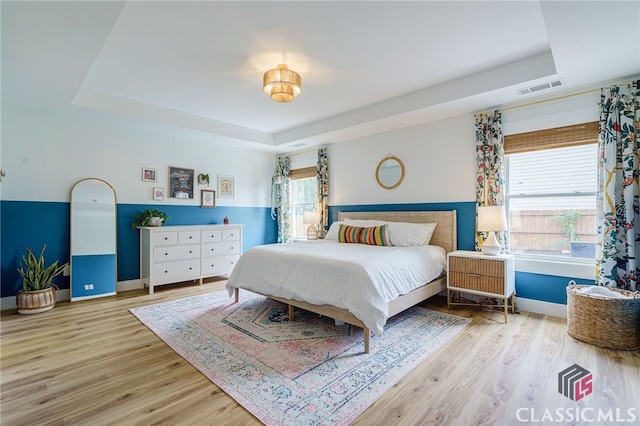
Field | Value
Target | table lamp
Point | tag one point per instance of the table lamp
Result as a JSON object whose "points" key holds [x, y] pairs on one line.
{"points": [[492, 219], [312, 219]]}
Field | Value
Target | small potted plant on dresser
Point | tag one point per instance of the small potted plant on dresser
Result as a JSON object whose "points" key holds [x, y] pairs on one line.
{"points": [[149, 217], [38, 292]]}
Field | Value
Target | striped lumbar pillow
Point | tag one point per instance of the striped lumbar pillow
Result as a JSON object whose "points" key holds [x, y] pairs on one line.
{"points": [[374, 235]]}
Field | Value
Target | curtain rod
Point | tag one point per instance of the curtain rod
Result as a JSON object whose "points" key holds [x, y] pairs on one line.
{"points": [[584, 92]]}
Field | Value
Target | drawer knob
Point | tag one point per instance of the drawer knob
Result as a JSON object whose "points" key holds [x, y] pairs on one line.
{"points": [[165, 238], [166, 254], [231, 247], [166, 272], [190, 251]]}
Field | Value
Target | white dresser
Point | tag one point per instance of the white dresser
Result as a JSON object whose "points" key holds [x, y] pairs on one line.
{"points": [[170, 254]]}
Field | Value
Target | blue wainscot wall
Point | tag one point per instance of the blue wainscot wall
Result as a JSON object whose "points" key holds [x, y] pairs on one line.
{"points": [[32, 224], [545, 288]]}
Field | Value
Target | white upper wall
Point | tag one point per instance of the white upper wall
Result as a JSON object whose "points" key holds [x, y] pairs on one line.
{"points": [[439, 156], [439, 161], [566, 111], [44, 155]]}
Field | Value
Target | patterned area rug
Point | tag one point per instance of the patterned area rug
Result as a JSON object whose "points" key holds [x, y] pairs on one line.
{"points": [[306, 372]]}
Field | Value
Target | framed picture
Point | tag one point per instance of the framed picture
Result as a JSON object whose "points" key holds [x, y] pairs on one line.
{"points": [[180, 182], [149, 175], [226, 186], [207, 198], [158, 194]]}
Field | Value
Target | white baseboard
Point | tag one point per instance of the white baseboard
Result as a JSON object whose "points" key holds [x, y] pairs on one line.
{"points": [[540, 307], [64, 295], [129, 285]]}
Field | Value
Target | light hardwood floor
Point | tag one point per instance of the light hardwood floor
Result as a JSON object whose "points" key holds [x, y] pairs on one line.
{"points": [[93, 363]]}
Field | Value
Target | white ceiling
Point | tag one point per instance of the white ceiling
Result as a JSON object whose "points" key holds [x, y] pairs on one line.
{"points": [[195, 68]]}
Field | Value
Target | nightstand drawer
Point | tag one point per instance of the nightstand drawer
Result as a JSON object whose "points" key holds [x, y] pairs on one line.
{"points": [[476, 282], [485, 267]]}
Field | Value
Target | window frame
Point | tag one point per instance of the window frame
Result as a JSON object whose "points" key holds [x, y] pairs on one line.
{"points": [[559, 137], [294, 175]]}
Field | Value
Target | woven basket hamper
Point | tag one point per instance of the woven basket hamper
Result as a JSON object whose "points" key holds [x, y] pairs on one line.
{"points": [[606, 323]]}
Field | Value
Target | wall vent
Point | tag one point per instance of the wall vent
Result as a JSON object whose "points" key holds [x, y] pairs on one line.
{"points": [[542, 86]]}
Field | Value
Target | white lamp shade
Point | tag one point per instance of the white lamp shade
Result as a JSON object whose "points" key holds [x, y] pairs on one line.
{"points": [[311, 218], [492, 218]]}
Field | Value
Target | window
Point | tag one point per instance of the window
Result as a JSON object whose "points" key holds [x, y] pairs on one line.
{"points": [[551, 192], [303, 198]]}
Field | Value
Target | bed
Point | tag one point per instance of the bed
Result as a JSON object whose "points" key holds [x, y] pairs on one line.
{"points": [[303, 274]]}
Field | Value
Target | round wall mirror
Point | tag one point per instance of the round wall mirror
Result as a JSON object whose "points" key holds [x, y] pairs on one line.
{"points": [[390, 172]]}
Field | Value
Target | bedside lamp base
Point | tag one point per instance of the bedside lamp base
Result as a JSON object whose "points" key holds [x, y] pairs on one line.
{"points": [[491, 245], [312, 232]]}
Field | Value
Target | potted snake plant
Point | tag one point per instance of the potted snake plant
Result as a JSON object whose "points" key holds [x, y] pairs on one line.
{"points": [[38, 292]]}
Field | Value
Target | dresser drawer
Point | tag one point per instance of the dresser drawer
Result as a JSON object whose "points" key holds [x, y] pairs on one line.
{"points": [[219, 265], [165, 238], [163, 254], [176, 271], [465, 265], [231, 234], [188, 237], [220, 249], [211, 236]]}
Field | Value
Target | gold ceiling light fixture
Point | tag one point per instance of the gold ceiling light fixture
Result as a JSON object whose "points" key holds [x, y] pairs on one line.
{"points": [[282, 84]]}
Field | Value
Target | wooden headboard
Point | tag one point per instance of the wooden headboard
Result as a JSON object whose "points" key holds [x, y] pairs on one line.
{"points": [[445, 234]]}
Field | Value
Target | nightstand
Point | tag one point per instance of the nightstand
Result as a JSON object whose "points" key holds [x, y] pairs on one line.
{"points": [[484, 275]]}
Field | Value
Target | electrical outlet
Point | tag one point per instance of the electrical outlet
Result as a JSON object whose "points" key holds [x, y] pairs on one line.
{"points": [[66, 271]]}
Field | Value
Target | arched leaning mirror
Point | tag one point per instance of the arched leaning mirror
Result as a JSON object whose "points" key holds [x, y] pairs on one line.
{"points": [[390, 172], [93, 239]]}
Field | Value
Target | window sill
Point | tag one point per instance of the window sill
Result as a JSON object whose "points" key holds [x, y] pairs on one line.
{"points": [[578, 268]]}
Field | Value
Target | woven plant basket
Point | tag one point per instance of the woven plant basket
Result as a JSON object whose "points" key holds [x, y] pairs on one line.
{"points": [[35, 302], [606, 323]]}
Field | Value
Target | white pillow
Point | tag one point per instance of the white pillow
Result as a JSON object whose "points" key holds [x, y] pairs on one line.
{"points": [[334, 229], [410, 234], [364, 223]]}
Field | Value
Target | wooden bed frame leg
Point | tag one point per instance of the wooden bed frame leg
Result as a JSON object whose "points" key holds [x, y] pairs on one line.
{"points": [[291, 315], [367, 339], [236, 291]]}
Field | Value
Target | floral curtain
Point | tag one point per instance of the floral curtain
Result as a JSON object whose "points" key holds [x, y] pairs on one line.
{"points": [[322, 192], [490, 175], [618, 208], [280, 200]]}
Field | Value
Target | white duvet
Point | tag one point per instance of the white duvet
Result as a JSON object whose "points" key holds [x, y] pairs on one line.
{"points": [[360, 278]]}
